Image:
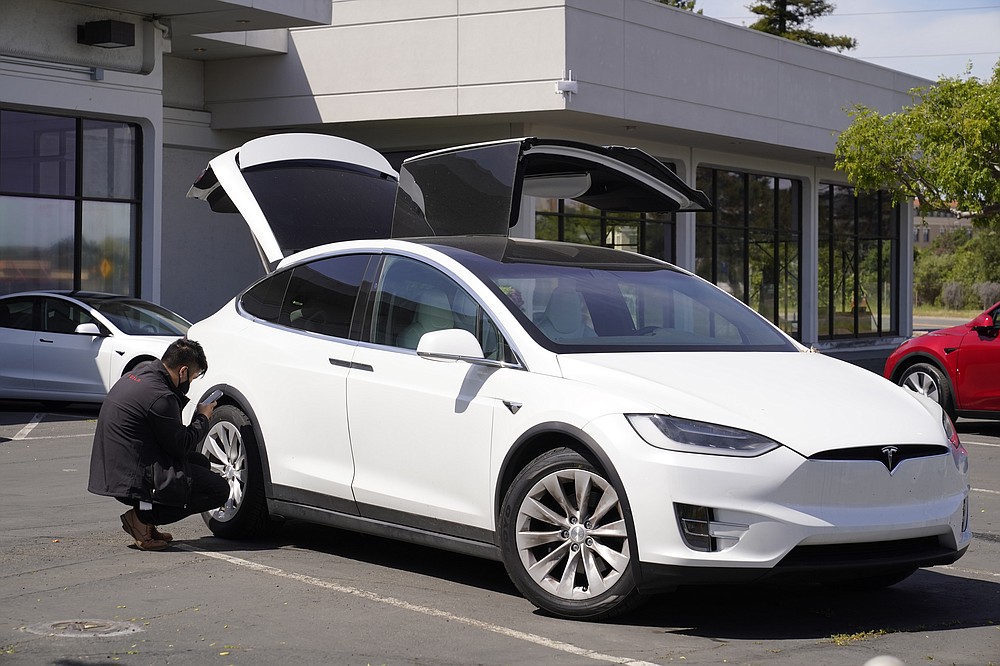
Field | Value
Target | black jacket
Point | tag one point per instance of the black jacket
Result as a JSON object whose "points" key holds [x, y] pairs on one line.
{"points": [[139, 424]]}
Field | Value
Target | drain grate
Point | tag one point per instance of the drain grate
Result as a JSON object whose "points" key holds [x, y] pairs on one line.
{"points": [[84, 628]]}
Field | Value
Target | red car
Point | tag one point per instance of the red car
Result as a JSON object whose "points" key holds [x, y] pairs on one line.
{"points": [[959, 367]]}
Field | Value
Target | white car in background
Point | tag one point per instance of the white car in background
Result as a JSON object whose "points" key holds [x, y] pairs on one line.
{"points": [[72, 346], [606, 424]]}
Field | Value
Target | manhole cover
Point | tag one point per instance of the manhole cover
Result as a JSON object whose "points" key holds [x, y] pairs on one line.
{"points": [[84, 628]]}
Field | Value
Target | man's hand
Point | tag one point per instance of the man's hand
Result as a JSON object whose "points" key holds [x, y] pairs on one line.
{"points": [[207, 409]]}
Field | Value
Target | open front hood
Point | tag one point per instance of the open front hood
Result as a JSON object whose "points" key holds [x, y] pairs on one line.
{"points": [[808, 402], [297, 191]]}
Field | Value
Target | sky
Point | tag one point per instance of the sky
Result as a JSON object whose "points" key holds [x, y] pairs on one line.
{"points": [[928, 38]]}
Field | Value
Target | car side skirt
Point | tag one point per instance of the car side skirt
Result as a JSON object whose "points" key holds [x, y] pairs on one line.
{"points": [[392, 525]]}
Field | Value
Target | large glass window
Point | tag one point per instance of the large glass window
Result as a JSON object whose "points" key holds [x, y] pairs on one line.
{"points": [[858, 263], [750, 245], [652, 234], [69, 203]]}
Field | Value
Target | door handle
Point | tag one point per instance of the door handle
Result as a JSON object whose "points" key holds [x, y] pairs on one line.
{"points": [[351, 364], [47, 341]]}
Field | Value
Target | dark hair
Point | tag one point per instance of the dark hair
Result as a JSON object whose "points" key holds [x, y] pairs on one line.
{"points": [[184, 352]]}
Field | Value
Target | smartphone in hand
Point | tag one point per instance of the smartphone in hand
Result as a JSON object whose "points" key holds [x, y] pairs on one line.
{"points": [[212, 397]]}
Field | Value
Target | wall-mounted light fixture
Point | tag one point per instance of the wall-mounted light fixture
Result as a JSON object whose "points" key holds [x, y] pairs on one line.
{"points": [[106, 34]]}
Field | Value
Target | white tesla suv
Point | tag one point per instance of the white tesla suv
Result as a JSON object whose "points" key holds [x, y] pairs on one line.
{"points": [[606, 424]]}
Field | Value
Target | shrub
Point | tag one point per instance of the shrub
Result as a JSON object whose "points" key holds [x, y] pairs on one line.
{"points": [[953, 296], [988, 293]]}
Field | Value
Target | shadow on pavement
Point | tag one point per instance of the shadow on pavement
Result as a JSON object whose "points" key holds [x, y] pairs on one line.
{"points": [[927, 601], [388, 553]]}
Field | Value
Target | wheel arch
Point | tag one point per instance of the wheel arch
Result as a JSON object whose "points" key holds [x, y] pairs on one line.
{"points": [[234, 397], [911, 359], [141, 358], [545, 437], [915, 358]]}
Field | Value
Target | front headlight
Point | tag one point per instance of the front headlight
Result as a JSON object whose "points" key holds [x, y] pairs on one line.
{"points": [[674, 434], [958, 452]]}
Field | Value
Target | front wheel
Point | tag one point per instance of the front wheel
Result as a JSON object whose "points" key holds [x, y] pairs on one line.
{"points": [[926, 379], [231, 448], [564, 539]]}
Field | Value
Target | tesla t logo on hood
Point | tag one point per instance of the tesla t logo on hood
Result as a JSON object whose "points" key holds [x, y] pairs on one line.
{"points": [[889, 461], [890, 456]]}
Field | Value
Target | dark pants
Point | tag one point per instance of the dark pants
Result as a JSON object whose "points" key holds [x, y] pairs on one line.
{"points": [[208, 491]]}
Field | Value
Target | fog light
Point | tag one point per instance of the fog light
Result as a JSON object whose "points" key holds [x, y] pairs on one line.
{"points": [[694, 521], [701, 531]]}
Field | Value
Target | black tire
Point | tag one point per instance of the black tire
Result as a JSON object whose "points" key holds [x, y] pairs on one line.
{"points": [[927, 379], [557, 552], [231, 448]]}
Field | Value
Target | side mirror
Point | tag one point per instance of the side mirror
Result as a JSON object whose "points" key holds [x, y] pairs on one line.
{"points": [[983, 321], [451, 344], [87, 329]]}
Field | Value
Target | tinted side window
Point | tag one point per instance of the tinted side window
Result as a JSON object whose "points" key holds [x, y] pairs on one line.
{"points": [[18, 313], [264, 299], [62, 316], [321, 295], [414, 299]]}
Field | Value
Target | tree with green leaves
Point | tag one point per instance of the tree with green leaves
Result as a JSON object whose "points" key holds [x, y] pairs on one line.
{"points": [[943, 150], [791, 19], [686, 5]]}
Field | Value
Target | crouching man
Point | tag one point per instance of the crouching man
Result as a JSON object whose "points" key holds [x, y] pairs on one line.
{"points": [[144, 456]]}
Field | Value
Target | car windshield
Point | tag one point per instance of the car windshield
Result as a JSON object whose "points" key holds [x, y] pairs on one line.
{"points": [[576, 304], [135, 317]]}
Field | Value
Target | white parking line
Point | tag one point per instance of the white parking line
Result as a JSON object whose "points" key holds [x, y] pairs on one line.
{"points": [[26, 430], [971, 572], [425, 610], [992, 445], [36, 439], [983, 490]]}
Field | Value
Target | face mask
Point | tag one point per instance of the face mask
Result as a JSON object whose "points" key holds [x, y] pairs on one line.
{"points": [[184, 386]]}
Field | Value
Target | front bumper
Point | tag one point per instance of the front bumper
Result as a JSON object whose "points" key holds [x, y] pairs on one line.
{"points": [[783, 516]]}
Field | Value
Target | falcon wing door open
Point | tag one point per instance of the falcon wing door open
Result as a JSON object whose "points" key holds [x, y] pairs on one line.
{"points": [[477, 189], [297, 191]]}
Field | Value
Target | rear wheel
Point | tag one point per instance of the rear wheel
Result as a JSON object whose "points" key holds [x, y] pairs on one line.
{"points": [[231, 448], [927, 379], [564, 538]]}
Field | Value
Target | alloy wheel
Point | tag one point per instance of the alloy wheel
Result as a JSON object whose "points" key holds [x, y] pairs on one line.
{"points": [[227, 455], [923, 383], [571, 534]]}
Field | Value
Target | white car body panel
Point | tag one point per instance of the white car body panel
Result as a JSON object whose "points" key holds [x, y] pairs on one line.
{"points": [[420, 432], [788, 397], [304, 403], [17, 360], [72, 363]]}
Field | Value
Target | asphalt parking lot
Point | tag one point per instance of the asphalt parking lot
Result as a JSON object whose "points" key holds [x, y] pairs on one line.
{"points": [[72, 591]]}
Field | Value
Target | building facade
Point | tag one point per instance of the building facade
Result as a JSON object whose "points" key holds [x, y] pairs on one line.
{"points": [[99, 145]]}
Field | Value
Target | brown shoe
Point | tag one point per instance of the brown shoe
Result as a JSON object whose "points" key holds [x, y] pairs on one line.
{"points": [[141, 532], [162, 536]]}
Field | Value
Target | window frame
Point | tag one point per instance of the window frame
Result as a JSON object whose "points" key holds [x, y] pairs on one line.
{"points": [[889, 219], [746, 228], [83, 127]]}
